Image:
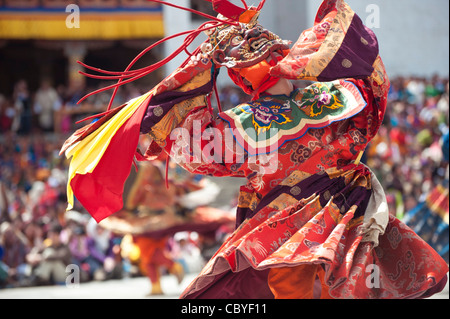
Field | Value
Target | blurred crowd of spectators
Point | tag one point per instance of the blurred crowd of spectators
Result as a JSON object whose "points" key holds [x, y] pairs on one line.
{"points": [[407, 154], [38, 239], [52, 109]]}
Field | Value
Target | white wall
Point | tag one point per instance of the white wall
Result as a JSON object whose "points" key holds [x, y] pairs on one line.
{"points": [[175, 21]]}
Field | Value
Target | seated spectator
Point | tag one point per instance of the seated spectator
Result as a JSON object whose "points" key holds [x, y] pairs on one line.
{"points": [[54, 259], [104, 254], [187, 253], [79, 248], [3, 269], [14, 248]]}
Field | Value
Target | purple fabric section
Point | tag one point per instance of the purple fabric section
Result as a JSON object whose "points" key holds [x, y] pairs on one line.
{"points": [[246, 284], [360, 48], [242, 214], [165, 101], [320, 184]]}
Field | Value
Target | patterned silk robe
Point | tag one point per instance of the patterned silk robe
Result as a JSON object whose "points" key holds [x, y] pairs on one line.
{"points": [[307, 200]]}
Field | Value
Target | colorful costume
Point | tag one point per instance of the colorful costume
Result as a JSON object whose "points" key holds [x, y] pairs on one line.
{"points": [[310, 209]]}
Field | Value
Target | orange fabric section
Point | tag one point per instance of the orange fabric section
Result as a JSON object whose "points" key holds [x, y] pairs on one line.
{"points": [[297, 282], [255, 74], [293, 282]]}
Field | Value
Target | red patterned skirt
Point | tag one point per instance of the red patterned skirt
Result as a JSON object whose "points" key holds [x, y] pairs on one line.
{"points": [[333, 227]]}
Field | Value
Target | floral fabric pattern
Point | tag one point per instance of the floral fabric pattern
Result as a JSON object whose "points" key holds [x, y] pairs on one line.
{"points": [[317, 106]]}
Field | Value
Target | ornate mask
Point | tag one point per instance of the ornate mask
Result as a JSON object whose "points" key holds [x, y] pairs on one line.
{"points": [[245, 45]]}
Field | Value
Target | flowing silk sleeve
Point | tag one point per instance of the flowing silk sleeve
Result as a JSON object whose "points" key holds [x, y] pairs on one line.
{"points": [[101, 153], [194, 139]]}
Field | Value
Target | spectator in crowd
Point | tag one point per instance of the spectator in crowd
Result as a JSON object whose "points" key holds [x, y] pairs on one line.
{"points": [[46, 102], [79, 248], [7, 113], [3, 269], [104, 253], [186, 251], [34, 232], [4, 216], [14, 250], [22, 123], [54, 259]]}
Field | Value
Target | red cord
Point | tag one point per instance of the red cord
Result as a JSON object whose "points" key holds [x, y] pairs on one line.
{"points": [[245, 4], [136, 74], [167, 172], [261, 5], [216, 92]]}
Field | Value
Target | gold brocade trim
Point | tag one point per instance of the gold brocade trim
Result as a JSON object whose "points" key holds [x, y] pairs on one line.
{"points": [[283, 201], [295, 178], [337, 215], [178, 113], [380, 78], [244, 199], [197, 81], [173, 118], [331, 44]]}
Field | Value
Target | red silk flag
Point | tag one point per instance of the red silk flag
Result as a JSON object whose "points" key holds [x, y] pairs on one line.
{"points": [[100, 191]]}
